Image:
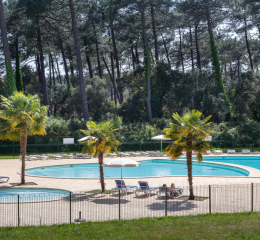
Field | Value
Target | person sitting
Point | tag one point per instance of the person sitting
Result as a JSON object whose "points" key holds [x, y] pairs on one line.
{"points": [[174, 193]]}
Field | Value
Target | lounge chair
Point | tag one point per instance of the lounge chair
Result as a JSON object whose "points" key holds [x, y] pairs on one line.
{"points": [[135, 154], [58, 156], [120, 185], [26, 158], [113, 154], [32, 158], [231, 151], [216, 152], [245, 150], [208, 152], [151, 153], [86, 155], [3, 177], [144, 187], [158, 153], [71, 155], [65, 155], [124, 154], [44, 157], [161, 191], [50, 155]]}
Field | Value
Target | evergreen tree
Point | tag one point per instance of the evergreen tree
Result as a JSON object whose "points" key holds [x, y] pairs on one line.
{"points": [[18, 74]]}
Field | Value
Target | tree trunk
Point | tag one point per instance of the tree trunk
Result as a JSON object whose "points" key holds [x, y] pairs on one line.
{"points": [[88, 61], [154, 34], [38, 65], [71, 62], [248, 47], [50, 69], [118, 74], [53, 70], [166, 51], [4, 34], [116, 96], [189, 166], [112, 79], [100, 162], [99, 67], [136, 54], [23, 143], [182, 64], [64, 61], [81, 79], [191, 51], [197, 47], [238, 67], [133, 57], [58, 68], [43, 79], [149, 109]]}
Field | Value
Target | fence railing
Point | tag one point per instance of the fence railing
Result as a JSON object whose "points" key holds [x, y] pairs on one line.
{"points": [[49, 144], [48, 209]]}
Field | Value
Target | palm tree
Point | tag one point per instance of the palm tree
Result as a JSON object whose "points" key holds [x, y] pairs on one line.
{"points": [[22, 116], [103, 141], [189, 135]]}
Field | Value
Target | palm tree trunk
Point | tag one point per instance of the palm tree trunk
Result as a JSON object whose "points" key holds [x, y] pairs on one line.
{"points": [[100, 162], [23, 143], [189, 166]]}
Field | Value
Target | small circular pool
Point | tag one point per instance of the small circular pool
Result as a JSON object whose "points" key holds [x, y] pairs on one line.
{"points": [[31, 194], [150, 168]]}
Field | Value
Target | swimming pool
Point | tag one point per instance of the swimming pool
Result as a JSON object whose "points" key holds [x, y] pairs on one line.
{"points": [[31, 194], [248, 161], [150, 168]]}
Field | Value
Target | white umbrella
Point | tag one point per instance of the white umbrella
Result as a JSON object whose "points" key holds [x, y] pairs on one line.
{"points": [[160, 137], [121, 162], [85, 138]]}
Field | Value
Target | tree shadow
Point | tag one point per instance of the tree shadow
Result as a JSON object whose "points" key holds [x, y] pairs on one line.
{"points": [[173, 205], [110, 201]]}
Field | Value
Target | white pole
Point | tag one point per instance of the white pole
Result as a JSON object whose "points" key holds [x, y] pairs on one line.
{"points": [[161, 145]]}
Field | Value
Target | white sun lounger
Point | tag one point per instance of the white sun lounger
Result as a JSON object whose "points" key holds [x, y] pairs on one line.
{"points": [[3, 177], [120, 185], [216, 152], [144, 187], [158, 153], [208, 152], [245, 150], [71, 155], [229, 151], [44, 157], [58, 156]]}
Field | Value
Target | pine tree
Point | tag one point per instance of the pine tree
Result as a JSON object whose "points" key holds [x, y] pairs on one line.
{"points": [[18, 74]]}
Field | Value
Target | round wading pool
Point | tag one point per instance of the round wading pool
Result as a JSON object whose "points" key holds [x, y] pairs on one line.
{"points": [[150, 168], [31, 194]]}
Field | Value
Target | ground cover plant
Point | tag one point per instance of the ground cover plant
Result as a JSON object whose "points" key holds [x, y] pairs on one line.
{"points": [[211, 226]]}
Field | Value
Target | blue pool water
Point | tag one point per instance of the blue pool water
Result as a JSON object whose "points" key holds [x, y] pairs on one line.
{"points": [[31, 194], [147, 169], [248, 161]]}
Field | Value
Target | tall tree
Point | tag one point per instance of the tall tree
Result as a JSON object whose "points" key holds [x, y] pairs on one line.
{"points": [[79, 61]]}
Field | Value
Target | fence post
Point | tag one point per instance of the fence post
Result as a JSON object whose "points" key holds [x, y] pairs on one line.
{"points": [[58, 144], [140, 143], [252, 142], [18, 210], [252, 197], [119, 204], [70, 207], [36, 144], [165, 201], [13, 150], [209, 199]]}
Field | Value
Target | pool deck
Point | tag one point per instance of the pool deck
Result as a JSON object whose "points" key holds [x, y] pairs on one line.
{"points": [[12, 169]]}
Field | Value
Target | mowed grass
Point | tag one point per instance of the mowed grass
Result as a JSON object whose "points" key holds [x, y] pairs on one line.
{"points": [[212, 226]]}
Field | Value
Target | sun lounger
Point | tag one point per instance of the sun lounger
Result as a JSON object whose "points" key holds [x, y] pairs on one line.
{"points": [[158, 153], [144, 187], [32, 158], [245, 150], [125, 154], [120, 185], [44, 157], [231, 151], [135, 154], [113, 155], [50, 155], [65, 155], [208, 152], [86, 155], [26, 158], [58, 156], [162, 191], [217, 152], [71, 155], [3, 177]]}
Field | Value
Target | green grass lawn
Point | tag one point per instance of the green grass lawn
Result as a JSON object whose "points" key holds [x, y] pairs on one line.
{"points": [[215, 226]]}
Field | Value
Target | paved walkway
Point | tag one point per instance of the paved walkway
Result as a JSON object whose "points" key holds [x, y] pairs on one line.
{"points": [[12, 168]]}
